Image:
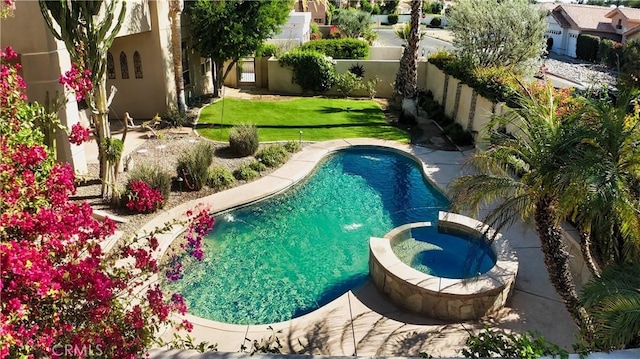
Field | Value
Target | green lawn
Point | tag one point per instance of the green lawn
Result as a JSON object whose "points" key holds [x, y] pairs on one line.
{"points": [[319, 119]]}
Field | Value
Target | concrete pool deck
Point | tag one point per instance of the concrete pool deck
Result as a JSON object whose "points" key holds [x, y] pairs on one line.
{"points": [[363, 321]]}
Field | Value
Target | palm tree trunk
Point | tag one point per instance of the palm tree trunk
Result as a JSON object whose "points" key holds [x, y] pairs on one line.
{"points": [[556, 259], [175, 9], [585, 248], [406, 85]]}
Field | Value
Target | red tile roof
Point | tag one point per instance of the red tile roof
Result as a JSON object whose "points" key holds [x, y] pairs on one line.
{"points": [[628, 12], [586, 17]]}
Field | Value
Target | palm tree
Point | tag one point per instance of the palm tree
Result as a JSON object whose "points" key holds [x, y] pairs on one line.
{"points": [[406, 84], [175, 11], [522, 172], [609, 183], [613, 301]]}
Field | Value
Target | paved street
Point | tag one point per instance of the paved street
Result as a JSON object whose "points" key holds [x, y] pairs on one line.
{"points": [[428, 45]]}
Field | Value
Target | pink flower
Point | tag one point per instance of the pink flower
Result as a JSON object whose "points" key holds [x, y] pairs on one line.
{"points": [[8, 53], [79, 134], [143, 198], [78, 81]]}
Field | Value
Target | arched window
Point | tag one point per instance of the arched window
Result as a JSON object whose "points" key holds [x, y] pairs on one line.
{"points": [[111, 68], [137, 65], [124, 66]]}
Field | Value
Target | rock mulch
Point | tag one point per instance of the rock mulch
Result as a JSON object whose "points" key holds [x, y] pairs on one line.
{"points": [[580, 71]]}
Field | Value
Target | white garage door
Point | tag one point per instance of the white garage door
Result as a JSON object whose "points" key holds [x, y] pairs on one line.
{"points": [[573, 41], [556, 36]]}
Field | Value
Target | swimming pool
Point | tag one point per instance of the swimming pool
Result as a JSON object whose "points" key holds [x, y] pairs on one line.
{"points": [[444, 253], [290, 254]]}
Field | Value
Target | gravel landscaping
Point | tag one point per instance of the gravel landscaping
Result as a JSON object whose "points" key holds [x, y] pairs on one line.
{"points": [[579, 71]]}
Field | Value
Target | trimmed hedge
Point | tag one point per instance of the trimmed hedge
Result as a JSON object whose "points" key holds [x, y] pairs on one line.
{"points": [[353, 49], [587, 47], [392, 19], [311, 70], [498, 84]]}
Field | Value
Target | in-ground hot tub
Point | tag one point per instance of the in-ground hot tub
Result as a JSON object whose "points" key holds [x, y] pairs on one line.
{"points": [[442, 289]]}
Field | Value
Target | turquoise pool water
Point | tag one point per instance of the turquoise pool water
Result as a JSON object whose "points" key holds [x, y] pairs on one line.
{"points": [[445, 254], [290, 254]]}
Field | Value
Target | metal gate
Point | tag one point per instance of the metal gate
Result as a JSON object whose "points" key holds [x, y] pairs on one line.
{"points": [[247, 73]]}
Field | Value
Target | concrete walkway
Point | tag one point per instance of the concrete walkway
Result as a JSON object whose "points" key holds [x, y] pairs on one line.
{"points": [[362, 321]]}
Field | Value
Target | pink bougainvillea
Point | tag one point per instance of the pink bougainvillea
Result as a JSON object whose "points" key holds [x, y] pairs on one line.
{"points": [[143, 198], [63, 295], [79, 134], [78, 81]]}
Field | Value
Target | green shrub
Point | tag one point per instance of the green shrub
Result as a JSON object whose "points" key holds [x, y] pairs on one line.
{"points": [[365, 5], [392, 19], [273, 155], [266, 50], [219, 178], [292, 146], [257, 166], [311, 70], [245, 173], [371, 86], [348, 82], [611, 53], [193, 166], [155, 178], [354, 49], [243, 139], [435, 22], [587, 47], [458, 135], [490, 343]]}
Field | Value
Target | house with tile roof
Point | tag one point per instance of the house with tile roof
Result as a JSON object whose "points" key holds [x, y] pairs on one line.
{"points": [[567, 21], [626, 22]]}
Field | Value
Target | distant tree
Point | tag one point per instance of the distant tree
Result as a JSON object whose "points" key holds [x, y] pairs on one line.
{"points": [[506, 33], [353, 23], [231, 29]]}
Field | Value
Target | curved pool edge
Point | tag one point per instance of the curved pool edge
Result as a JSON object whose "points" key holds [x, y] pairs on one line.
{"points": [[297, 168], [444, 298]]}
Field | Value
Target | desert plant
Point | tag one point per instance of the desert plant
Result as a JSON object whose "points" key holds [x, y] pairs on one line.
{"points": [[193, 165], [352, 22], [273, 155], [219, 178], [348, 82], [154, 177], [292, 146], [245, 173], [174, 118], [357, 70], [257, 166], [480, 35], [243, 139], [371, 85]]}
